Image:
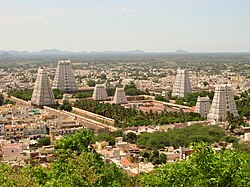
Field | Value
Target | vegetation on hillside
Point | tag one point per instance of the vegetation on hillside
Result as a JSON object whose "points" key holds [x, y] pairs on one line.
{"points": [[204, 168], [78, 165]]}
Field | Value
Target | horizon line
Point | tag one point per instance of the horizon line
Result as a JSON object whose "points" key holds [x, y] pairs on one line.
{"points": [[178, 51]]}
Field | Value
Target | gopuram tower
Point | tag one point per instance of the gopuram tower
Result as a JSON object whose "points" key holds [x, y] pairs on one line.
{"points": [[42, 94], [100, 93], [120, 96], [223, 102], [181, 86], [64, 78]]}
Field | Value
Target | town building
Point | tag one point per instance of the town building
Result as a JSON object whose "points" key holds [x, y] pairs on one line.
{"points": [[15, 152], [182, 85], [64, 78], [42, 93], [203, 106], [223, 102], [15, 131], [64, 127]]}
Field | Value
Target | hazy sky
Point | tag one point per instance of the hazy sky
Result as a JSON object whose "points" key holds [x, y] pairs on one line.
{"points": [[150, 25]]}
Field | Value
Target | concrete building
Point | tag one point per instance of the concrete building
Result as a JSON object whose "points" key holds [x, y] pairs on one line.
{"points": [[203, 106], [64, 78], [64, 127], [15, 152], [223, 102], [120, 96], [182, 85], [15, 131], [100, 93], [36, 129], [42, 93]]}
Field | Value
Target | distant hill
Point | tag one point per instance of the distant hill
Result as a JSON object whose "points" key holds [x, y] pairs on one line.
{"points": [[51, 51], [180, 51], [59, 52], [6, 55]]}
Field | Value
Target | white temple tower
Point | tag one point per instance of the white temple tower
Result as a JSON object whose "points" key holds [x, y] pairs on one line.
{"points": [[203, 106], [42, 94], [64, 78], [120, 96], [100, 93], [223, 102], [181, 86]]}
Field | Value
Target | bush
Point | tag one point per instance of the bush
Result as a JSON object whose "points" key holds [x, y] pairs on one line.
{"points": [[43, 141]]}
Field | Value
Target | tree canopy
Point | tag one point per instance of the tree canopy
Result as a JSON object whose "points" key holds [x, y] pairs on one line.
{"points": [[80, 166], [183, 137], [125, 117], [204, 168]]}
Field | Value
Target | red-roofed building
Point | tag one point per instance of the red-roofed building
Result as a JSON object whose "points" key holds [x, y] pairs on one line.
{"points": [[126, 163]]}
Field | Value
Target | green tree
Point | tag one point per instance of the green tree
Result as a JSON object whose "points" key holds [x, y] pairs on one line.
{"points": [[182, 137], [105, 137], [44, 141], [131, 137], [25, 94], [91, 83], [79, 142], [204, 168], [66, 106], [58, 93]]}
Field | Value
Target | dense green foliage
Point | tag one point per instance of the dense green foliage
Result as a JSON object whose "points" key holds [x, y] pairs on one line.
{"points": [[43, 141], [105, 137], [234, 121], [7, 101], [82, 94], [204, 168], [65, 106], [1, 99], [154, 156], [76, 143], [183, 137], [243, 147], [91, 83], [243, 106], [77, 165], [58, 94], [131, 89], [110, 91], [25, 94], [130, 137], [125, 117], [161, 98], [191, 98]]}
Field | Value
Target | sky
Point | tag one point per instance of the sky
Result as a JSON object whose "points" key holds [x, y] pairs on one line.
{"points": [[123, 25]]}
